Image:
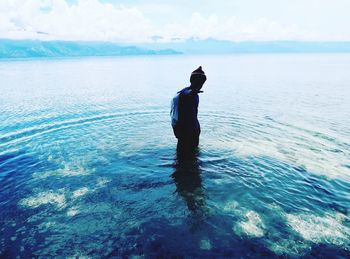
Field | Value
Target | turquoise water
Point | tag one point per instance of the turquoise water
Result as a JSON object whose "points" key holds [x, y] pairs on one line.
{"points": [[88, 163]]}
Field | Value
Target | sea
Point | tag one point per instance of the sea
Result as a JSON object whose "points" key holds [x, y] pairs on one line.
{"points": [[89, 166]]}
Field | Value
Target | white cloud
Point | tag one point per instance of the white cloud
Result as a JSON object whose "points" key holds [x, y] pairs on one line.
{"points": [[231, 29], [93, 20], [87, 20]]}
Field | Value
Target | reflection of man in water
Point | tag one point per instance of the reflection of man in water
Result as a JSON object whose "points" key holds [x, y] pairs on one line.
{"points": [[188, 181], [186, 127]]}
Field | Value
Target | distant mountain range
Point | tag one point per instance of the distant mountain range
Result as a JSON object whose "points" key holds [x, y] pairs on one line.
{"points": [[10, 49], [212, 46]]}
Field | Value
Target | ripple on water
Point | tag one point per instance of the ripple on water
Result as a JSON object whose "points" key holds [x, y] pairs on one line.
{"points": [[255, 169], [95, 174], [285, 142]]}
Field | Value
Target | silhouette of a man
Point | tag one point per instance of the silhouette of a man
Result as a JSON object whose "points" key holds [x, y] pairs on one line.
{"points": [[187, 128]]}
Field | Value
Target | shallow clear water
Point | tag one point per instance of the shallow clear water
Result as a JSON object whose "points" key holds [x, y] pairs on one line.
{"points": [[88, 163]]}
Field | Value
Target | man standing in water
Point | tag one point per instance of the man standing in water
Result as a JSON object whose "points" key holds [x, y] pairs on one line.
{"points": [[184, 110]]}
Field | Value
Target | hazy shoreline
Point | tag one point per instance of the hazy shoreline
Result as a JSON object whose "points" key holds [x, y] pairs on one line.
{"points": [[35, 49]]}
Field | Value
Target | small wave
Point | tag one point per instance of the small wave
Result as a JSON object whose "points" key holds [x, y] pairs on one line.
{"points": [[29, 133]]}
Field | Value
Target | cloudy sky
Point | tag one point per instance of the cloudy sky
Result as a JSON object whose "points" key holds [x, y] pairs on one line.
{"points": [[166, 20]]}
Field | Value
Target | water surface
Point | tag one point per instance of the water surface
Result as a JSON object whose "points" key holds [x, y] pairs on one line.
{"points": [[88, 162]]}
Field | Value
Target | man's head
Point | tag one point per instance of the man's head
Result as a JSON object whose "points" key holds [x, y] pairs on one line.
{"points": [[197, 79]]}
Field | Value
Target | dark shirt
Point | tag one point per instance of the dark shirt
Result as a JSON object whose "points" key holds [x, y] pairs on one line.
{"points": [[188, 110]]}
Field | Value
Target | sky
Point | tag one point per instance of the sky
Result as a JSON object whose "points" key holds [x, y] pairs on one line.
{"points": [[175, 20]]}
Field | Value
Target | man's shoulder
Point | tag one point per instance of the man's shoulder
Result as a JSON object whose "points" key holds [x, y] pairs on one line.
{"points": [[185, 91]]}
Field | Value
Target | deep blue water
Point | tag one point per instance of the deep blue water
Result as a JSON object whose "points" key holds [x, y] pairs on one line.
{"points": [[88, 163]]}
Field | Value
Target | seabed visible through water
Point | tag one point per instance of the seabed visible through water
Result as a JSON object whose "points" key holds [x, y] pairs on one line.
{"points": [[88, 162]]}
